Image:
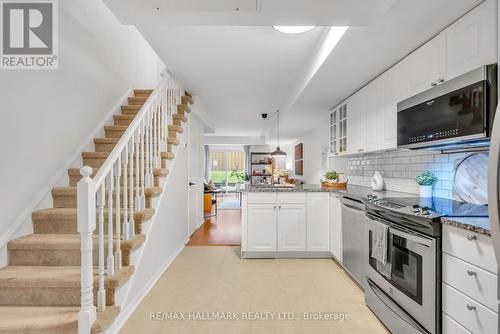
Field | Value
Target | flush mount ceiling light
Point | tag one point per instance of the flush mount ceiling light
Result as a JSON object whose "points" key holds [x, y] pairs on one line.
{"points": [[293, 29]]}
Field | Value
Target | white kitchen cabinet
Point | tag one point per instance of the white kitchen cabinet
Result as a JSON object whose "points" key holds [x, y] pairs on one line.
{"points": [[262, 227], [318, 222], [423, 66], [292, 227], [338, 129], [373, 115], [471, 41], [355, 122], [336, 227], [395, 91]]}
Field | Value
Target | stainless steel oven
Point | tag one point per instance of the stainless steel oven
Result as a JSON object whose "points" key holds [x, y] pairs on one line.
{"points": [[405, 298]]}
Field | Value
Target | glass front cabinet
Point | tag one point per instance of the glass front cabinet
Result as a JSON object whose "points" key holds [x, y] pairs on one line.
{"points": [[338, 129]]}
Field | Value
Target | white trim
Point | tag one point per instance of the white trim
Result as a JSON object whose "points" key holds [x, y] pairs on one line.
{"points": [[25, 215], [132, 306]]}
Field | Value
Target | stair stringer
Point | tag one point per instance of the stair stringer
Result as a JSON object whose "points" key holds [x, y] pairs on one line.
{"points": [[167, 205]]}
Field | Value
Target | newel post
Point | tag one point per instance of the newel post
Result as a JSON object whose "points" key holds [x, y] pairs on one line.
{"points": [[86, 217]]}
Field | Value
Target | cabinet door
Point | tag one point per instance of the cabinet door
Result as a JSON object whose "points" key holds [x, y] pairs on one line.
{"points": [[291, 227], [471, 41], [394, 89], [318, 221], [336, 227], [374, 113], [423, 66], [261, 230], [355, 122]]}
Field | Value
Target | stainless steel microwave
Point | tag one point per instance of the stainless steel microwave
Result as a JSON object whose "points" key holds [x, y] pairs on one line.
{"points": [[457, 114]]}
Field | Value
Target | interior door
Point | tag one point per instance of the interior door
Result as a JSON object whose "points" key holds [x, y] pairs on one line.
{"points": [[195, 175], [292, 227]]}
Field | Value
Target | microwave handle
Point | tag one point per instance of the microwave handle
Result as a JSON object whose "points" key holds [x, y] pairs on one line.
{"points": [[407, 234]]}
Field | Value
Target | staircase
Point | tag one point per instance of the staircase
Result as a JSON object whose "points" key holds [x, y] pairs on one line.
{"points": [[57, 274]]}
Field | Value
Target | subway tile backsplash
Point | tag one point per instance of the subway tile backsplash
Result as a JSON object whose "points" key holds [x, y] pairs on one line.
{"points": [[400, 167]]}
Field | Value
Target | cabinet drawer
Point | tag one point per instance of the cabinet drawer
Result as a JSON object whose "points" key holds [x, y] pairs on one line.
{"points": [[450, 326], [479, 320], [262, 198], [472, 247], [472, 281], [292, 198]]}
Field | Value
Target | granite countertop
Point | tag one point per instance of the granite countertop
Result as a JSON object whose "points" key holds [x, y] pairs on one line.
{"points": [[475, 224], [358, 192]]}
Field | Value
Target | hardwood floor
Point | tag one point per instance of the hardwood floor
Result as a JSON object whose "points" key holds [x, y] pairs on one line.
{"points": [[223, 230]]}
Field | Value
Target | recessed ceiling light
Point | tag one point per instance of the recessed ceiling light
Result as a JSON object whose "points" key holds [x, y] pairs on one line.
{"points": [[293, 29]]}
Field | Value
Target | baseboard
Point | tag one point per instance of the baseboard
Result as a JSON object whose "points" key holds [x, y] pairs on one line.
{"points": [[60, 173], [127, 312]]}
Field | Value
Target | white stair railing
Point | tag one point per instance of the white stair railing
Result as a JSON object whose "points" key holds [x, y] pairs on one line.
{"points": [[122, 179]]}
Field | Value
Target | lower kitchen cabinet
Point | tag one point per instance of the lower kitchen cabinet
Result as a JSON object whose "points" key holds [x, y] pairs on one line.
{"points": [[469, 287], [292, 227], [336, 227], [318, 222], [262, 220]]}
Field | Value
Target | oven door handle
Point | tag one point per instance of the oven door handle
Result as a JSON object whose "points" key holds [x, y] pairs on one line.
{"points": [[407, 234]]}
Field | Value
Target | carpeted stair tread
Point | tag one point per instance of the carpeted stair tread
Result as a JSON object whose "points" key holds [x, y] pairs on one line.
{"points": [[71, 191], [105, 319], [55, 276], [65, 241], [167, 155], [69, 214], [39, 319]]}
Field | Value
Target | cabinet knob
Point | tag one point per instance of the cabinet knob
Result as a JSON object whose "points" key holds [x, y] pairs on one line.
{"points": [[471, 307], [471, 273], [440, 81], [471, 237], [360, 150], [434, 84]]}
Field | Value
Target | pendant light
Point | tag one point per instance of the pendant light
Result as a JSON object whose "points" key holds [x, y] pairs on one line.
{"points": [[278, 153]]}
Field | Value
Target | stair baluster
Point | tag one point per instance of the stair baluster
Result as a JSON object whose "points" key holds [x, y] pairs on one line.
{"points": [[101, 293], [143, 157], [126, 227], [131, 219], [118, 250], [137, 136], [111, 259]]}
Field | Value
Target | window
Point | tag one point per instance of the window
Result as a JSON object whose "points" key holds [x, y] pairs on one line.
{"points": [[226, 166]]}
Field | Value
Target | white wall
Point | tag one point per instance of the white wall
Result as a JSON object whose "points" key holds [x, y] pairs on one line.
{"points": [[314, 164], [46, 115]]}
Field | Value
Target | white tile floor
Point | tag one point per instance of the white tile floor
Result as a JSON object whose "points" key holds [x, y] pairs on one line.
{"points": [[214, 279]]}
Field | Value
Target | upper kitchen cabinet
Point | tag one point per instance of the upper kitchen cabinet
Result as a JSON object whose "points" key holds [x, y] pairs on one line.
{"points": [[355, 122], [395, 89], [338, 129], [423, 67], [470, 42], [373, 115]]}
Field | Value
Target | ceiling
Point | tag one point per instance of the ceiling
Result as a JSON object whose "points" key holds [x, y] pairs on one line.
{"points": [[240, 70], [249, 12]]}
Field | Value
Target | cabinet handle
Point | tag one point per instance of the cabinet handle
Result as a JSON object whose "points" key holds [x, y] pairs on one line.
{"points": [[471, 307], [434, 84], [471, 237], [440, 81], [279, 207], [360, 150], [471, 273], [274, 208]]}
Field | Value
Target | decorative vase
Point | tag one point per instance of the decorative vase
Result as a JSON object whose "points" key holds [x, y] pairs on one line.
{"points": [[425, 191]]}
